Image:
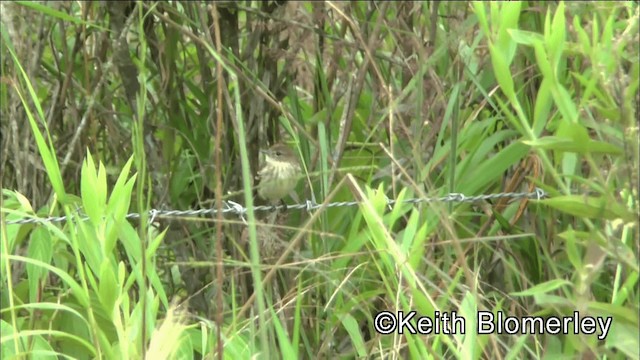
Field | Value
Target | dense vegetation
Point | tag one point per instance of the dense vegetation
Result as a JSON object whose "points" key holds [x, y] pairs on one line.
{"points": [[116, 108]]}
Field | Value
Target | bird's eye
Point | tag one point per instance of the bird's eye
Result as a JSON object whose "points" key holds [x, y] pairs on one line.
{"points": [[278, 153]]}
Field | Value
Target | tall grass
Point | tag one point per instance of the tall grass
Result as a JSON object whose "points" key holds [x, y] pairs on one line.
{"points": [[108, 110]]}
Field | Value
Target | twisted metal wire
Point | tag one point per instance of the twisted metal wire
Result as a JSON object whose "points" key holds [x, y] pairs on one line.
{"points": [[231, 207]]}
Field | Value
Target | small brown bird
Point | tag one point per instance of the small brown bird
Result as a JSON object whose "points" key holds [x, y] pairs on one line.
{"points": [[280, 173]]}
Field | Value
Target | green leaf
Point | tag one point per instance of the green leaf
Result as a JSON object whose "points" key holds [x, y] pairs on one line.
{"points": [[399, 209], [481, 14], [525, 37], [542, 109], [469, 310], [417, 250], [118, 206], [621, 313], [408, 235], [556, 38], [510, 13], [589, 207], [353, 329], [573, 131], [515, 350], [47, 152], [130, 240], [108, 291], [624, 338], [89, 189], [372, 209], [502, 72], [121, 195], [627, 289], [41, 348], [152, 274], [75, 288], [89, 243], [595, 31], [583, 38], [317, 117], [570, 145], [590, 85], [565, 103], [491, 169], [543, 63], [9, 349], [543, 288], [40, 248], [574, 255]]}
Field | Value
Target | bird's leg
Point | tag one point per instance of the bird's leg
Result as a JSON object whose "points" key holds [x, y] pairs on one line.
{"points": [[271, 218]]}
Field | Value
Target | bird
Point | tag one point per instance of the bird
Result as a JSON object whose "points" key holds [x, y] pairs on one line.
{"points": [[280, 173]]}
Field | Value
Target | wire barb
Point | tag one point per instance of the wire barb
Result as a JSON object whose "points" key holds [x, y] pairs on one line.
{"points": [[236, 208], [311, 205], [152, 215], [540, 194]]}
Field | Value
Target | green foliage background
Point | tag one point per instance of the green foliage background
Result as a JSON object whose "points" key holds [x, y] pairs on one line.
{"points": [[110, 108]]}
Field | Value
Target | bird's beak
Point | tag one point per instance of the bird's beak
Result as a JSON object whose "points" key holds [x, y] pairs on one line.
{"points": [[262, 151]]}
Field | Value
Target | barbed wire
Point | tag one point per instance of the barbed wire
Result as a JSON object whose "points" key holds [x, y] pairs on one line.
{"points": [[231, 207]]}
